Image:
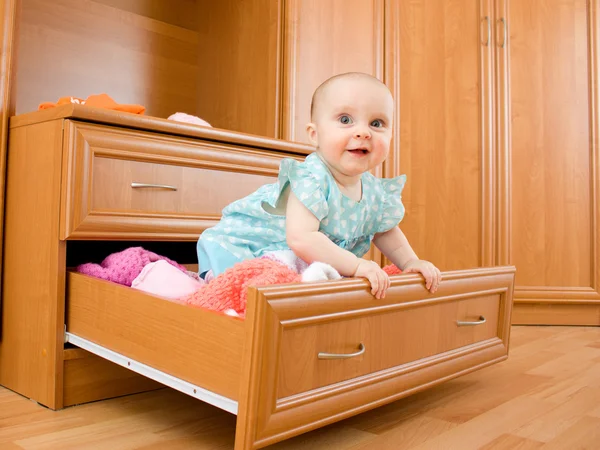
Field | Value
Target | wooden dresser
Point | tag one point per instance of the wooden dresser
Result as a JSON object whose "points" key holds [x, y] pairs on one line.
{"points": [[83, 182], [72, 178]]}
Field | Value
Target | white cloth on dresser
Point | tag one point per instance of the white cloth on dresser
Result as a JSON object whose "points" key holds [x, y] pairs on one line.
{"points": [[316, 271]]}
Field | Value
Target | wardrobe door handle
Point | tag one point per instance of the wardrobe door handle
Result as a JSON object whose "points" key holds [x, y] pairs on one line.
{"points": [[135, 185], [503, 22], [361, 350], [487, 21], [464, 323]]}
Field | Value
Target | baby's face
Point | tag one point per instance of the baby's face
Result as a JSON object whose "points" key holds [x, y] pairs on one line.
{"points": [[352, 125]]}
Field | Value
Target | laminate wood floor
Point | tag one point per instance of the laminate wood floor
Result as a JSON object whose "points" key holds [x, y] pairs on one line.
{"points": [[545, 396]]}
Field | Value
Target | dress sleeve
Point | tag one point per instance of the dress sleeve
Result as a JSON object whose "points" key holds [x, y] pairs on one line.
{"points": [[392, 207], [307, 187]]}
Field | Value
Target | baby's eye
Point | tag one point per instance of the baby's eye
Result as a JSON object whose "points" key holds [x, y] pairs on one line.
{"points": [[377, 123], [346, 120]]}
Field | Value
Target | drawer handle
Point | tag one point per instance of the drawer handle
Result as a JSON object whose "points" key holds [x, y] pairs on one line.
{"points": [[361, 350], [462, 323], [150, 185]]}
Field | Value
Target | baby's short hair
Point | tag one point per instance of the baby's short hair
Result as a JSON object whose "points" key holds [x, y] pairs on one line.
{"points": [[323, 86]]}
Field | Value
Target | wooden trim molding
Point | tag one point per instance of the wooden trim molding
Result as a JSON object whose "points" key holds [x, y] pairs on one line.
{"points": [[280, 74], [552, 294], [503, 138], [391, 77], [379, 39], [556, 314], [594, 65], [289, 46], [488, 178]]}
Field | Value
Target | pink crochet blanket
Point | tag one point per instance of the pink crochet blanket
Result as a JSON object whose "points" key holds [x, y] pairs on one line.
{"points": [[123, 267]]}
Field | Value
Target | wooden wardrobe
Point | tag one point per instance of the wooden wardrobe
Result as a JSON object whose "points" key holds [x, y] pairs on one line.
{"points": [[498, 133], [496, 122], [497, 107]]}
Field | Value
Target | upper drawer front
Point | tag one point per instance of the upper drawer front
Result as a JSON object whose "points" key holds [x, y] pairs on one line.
{"points": [[388, 340], [124, 184]]}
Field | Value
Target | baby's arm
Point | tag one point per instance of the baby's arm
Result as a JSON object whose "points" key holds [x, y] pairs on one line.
{"points": [[304, 238], [395, 246]]}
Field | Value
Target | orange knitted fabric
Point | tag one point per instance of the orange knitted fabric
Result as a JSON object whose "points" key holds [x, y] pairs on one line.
{"points": [[96, 101], [229, 290], [392, 270]]}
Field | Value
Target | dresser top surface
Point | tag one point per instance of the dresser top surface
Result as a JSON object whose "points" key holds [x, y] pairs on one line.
{"points": [[156, 124]]}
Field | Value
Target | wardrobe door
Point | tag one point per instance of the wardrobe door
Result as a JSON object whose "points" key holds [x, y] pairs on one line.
{"points": [[551, 229], [439, 66], [322, 39]]}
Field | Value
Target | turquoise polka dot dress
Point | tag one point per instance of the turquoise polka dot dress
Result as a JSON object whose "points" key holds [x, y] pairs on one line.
{"points": [[255, 225]]}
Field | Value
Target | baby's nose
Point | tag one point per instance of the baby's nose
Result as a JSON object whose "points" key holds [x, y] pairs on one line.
{"points": [[362, 133]]}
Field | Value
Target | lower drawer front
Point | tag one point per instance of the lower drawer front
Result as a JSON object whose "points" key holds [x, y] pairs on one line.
{"points": [[300, 379], [380, 341]]}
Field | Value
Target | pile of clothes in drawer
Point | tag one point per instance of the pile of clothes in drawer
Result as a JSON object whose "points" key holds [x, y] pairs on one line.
{"points": [[158, 275]]}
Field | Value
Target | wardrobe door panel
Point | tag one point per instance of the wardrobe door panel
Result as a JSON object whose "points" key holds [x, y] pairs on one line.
{"points": [[553, 165], [439, 65]]}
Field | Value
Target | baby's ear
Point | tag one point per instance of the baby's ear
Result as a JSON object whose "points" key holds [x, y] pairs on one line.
{"points": [[311, 131]]}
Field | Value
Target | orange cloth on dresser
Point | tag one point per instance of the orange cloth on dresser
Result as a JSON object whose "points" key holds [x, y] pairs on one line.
{"points": [[96, 101]]}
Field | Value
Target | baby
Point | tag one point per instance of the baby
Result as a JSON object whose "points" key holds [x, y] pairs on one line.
{"points": [[328, 208]]}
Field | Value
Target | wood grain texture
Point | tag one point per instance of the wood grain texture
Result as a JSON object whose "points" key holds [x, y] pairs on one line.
{"points": [[443, 142], [185, 15], [88, 378], [323, 39], [559, 313], [481, 410], [103, 162], [502, 138], [430, 329], [31, 349], [199, 346], [239, 62], [132, 51], [554, 196], [270, 412], [594, 49]]}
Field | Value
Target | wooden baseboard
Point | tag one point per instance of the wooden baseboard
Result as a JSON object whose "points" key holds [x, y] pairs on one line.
{"points": [[555, 314]]}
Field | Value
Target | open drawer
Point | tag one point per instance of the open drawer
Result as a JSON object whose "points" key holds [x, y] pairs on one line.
{"points": [[307, 354]]}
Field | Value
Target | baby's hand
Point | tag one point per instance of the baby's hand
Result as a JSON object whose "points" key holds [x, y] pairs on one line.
{"points": [[432, 274], [380, 282]]}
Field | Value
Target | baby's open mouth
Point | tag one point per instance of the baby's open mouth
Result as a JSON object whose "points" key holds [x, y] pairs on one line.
{"points": [[359, 151]]}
